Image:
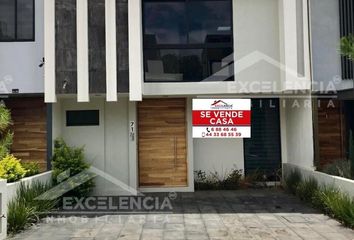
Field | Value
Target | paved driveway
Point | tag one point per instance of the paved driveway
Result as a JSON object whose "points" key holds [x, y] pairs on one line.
{"points": [[251, 214]]}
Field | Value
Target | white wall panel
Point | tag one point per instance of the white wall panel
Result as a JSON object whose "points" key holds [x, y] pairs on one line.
{"points": [[111, 51], [82, 51], [136, 76]]}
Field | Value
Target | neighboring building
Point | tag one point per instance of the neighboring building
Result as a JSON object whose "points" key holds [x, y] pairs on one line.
{"points": [[22, 78], [330, 20], [122, 75]]}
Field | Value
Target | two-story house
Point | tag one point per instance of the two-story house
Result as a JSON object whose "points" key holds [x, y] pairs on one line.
{"points": [[120, 76], [22, 77]]}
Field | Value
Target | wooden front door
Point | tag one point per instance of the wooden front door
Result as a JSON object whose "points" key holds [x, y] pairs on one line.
{"points": [[162, 143]]}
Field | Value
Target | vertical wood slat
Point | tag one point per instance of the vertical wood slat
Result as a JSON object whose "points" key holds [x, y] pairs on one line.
{"points": [[49, 51], [82, 51], [162, 143], [30, 129], [111, 50], [331, 130]]}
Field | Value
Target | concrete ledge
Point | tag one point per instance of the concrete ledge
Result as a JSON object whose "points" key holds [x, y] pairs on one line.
{"points": [[3, 209], [344, 184], [8, 192], [12, 187]]}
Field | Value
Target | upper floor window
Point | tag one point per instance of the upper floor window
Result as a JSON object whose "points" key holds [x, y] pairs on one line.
{"points": [[188, 40], [346, 17], [16, 20]]}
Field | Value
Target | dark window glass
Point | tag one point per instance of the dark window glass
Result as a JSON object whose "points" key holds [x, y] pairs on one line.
{"points": [[188, 40], [7, 19], [165, 23], [188, 65], [16, 20], [25, 20], [209, 21], [82, 118], [346, 17]]}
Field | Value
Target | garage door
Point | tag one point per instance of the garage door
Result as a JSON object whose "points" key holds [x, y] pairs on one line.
{"points": [[162, 143]]}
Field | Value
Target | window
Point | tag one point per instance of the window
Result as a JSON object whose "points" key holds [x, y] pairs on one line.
{"points": [[16, 20], [188, 40], [346, 17], [82, 118]]}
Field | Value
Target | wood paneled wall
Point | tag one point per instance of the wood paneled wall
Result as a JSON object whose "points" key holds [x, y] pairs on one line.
{"points": [[30, 129], [331, 131]]}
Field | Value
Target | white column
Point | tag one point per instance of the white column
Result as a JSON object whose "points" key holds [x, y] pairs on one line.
{"points": [[133, 146], [306, 30], [136, 74], [4, 200], [49, 51], [289, 42], [111, 51], [82, 51]]}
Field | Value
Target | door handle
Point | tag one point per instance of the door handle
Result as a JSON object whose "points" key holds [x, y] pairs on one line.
{"points": [[175, 149]]}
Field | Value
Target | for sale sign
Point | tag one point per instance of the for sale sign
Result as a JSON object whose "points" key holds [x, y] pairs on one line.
{"points": [[221, 118]]}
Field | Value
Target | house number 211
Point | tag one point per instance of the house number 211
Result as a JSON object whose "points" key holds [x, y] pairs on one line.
{"points": [[132, 130]]}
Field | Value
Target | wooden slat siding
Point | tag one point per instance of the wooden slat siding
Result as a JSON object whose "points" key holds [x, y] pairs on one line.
{"points": [[30, 129], [331, 131], [160, 122]]}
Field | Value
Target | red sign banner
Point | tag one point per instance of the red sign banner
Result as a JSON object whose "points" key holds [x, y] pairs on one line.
{"points": [[221, 118]]}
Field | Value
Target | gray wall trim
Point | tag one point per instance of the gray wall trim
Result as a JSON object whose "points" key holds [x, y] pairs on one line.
{"points": [[49, 135]]}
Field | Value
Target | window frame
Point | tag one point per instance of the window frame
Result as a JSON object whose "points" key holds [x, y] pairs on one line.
{"points": [[186, 46], [16, 39], [189, 45], [75, 123]]}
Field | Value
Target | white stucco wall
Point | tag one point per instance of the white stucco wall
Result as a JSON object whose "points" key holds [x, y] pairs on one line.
{"points": [[19, 60], [297, 132], [91, 137], [12, 188], [220, 155], [106, 145], [116, 143], [256, 30], [343, 184]]}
